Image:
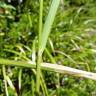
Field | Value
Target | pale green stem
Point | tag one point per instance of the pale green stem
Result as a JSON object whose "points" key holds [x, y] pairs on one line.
{"points": [[50, 67], [39, 43], [32, 86], [19, 78]]}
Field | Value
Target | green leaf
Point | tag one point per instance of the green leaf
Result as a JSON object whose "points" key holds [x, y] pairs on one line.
{"points": [[48, 24]]}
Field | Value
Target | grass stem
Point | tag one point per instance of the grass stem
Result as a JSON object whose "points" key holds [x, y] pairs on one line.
{"points": [[39, 44]]}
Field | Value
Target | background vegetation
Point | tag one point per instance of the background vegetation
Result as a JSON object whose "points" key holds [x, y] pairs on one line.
{"points": [[72, 42]]}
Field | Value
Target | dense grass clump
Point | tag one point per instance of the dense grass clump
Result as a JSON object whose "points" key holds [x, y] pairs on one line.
{"points": [[59, 32]]}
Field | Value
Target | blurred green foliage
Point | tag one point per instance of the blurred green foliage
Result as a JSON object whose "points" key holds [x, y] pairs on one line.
{"points": [[71, 43]]}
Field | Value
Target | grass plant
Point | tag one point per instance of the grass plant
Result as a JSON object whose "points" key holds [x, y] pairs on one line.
{"points": [[47, 48]]}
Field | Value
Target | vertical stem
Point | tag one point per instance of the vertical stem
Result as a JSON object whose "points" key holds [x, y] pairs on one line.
{"points": [[32, 86], [39, 53], [5, 83], [19, 79], [40, 21]]}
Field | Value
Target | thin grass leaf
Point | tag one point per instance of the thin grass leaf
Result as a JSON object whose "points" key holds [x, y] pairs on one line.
{"points": [[17, 53], [48, 24], [5, 81], [50, 56]]}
